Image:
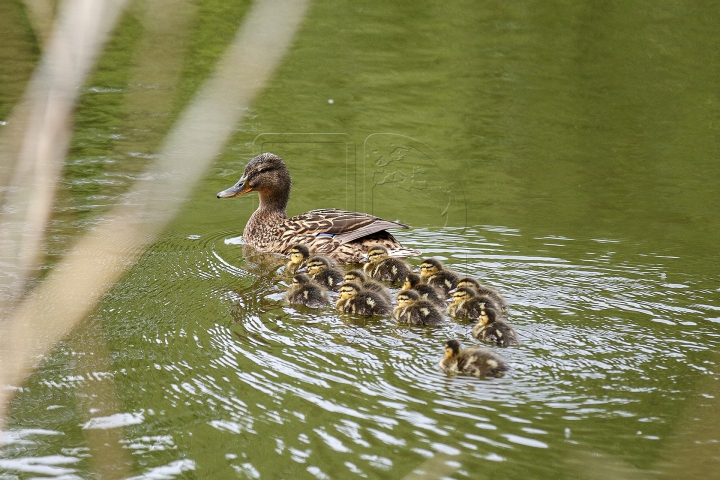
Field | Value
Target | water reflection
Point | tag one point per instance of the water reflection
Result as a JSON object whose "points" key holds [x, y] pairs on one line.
{"points": [[280, 390]]}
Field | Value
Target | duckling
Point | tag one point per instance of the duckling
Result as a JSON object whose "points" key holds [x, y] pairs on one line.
{"points": [[353, 299], [465, 304], [433, 272], [481, 289], [491, 329], [359, 277], [476, 361], [324, 271], [304, 291], [427, 292], [298, 257], [415, 310], [383, 267]]}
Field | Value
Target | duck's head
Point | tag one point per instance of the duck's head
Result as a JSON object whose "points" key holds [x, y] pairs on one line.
{"points": [[487, 315], [407, 297], [377, 253], [429, 267], [462, 294], [265, 174], [349, 290], [468, 282], [298, 254], [355, 276], [301, 279], [411, 281], [452, 348], [317, 264]]}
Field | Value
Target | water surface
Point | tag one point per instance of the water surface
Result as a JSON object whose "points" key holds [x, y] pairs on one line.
{"points": [[565, 154]]}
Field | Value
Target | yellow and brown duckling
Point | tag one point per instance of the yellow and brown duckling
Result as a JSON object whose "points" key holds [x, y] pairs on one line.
{"points": [[304, 291], [360, 278], [481, 289], [298, 257], [413, 309], [427, 292], [464, 303], [480, 362], [340, 234], [434, 273], [325, 272], [381, 266], [353, 299], [491, 329]]}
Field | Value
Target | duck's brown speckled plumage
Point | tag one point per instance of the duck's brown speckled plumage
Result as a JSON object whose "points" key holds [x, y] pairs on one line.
{"points": [[343, 235]]}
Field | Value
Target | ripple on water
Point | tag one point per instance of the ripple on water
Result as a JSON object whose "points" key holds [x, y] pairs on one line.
{"points": [[365, 396]]}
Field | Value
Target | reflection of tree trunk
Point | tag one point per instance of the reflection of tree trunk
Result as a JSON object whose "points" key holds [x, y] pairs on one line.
{"points": [[109, 460], [157, 68], [41, 14], [154, 80], [73, 288], [693, 452]]}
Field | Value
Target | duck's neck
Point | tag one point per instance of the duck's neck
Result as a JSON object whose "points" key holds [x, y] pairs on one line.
{"points": [[270, 213]]}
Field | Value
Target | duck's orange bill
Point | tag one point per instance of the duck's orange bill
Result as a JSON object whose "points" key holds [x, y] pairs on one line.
{"points": [[240, 188]]}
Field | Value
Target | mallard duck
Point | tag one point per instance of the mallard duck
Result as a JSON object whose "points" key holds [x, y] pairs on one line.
{"points": [[353, 299], [340, 234], [381, 266], [298, 257], [411, 308], [359, 277], [324, 271], [427, 292], [476, 361], [481, 289], [465, 304], [304, 291], [434, 273], [491, 329]]}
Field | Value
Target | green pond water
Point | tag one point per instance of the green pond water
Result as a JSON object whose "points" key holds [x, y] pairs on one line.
{"points": [[564, 152]]}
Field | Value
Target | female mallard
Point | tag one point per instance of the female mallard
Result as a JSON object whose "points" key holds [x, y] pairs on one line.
{"points": [[367, 283], [434, 273], [353, 299], [345, 236], [415, 310], [304, 291], [381, 266], [476, 361], [466, 304], [298, 257], [481, 289], [491, 329], [427, 292], [324, 271]]}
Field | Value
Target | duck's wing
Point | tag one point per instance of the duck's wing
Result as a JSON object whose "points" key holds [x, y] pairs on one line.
{"points": [[342, 225]]}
